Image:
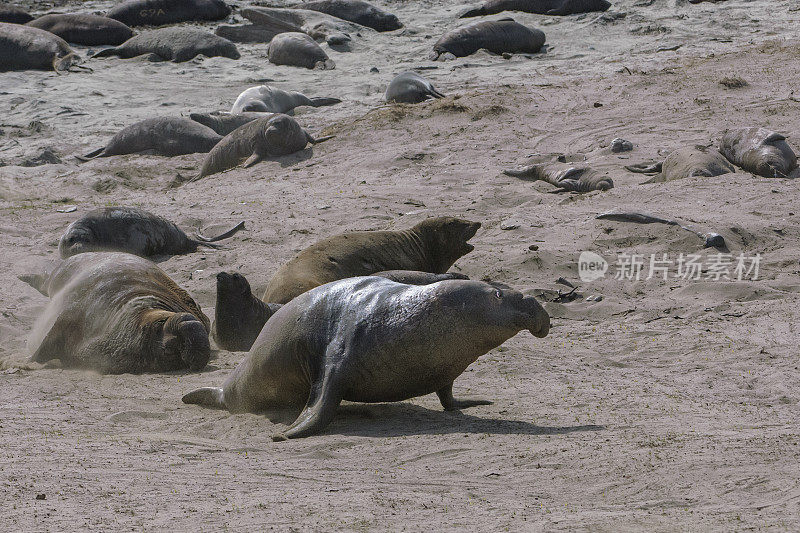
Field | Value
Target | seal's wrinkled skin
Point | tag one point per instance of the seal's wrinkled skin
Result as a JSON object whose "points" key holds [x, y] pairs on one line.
{"points": [[84, 28], [177, 44], [760, 151], [356, 11], [28, 48], [161, 12], [298, 50], [687, 162], [540, 7], [410, 88], [117, 313], [223, 122], [496, 36], [566, 177], [266, 99], [369, 339]]}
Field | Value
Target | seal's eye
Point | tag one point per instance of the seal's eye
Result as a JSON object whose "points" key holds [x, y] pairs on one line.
{"points": [[498, 295]]}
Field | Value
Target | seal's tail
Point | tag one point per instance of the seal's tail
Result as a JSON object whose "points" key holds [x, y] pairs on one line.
{"points": [[206, 396], [320, 102], [230, 233]]}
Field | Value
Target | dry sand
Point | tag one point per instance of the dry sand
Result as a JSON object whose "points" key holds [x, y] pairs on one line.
{"points": [[669, 405]]}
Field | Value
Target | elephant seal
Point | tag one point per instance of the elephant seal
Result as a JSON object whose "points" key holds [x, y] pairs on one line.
{"points": [[131, 230], [369, 339], [710, 239], [169, 136], [318, 26], [298, 50], [496, 36], [356, 11], [13, 14], [567, 177], [266, 137], [539, 7], [84, 28], [759, 151], [269, 99], [410, 88], [175, 44], [26, 48], [223, 122], [116, 313], [161, 12], [239, 316], [686, 162]]}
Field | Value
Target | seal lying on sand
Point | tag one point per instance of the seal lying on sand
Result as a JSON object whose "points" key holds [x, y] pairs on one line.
{"points": [[269, 99], [410, 88], [169, 136], [175, 44], [318, 26], [27, 48], [369, 339], [496, 36], [223, 122], [131, 230], [13, 14], [758, 150], [116, 313], [298, 50], [686, 162], [540, 7], [160, 12], [356, 11], [84, 28], [567, 177]]}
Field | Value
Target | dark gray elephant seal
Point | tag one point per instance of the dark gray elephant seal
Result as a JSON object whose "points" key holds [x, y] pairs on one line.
{"points": [[496, 36], [410, 88], [540, 7], [117, 313], [760, 151], [318, 26], [175, 44], [260, 139], [266, 99], [298, 50], [567, 177], [686, 162], [131, 230], [161, 12], [13, 14], [224, 123], [169, 136], [84, 28], [356, 11], [369, 339], [26, 48]]}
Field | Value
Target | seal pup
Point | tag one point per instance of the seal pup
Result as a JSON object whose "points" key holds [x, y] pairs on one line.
{"points": [[710, 240], [161, 12], [26, 48], [318, 26], [758, 150], [177, 44], [298, 50], [356, 11], [410, 88], [248, 145], [13, 14], [566, 177], [84, 28], [116, 313], [686, 162], [497, 36], [223, 122], [369, 339], [266, 99], [539, 7], [131, 230], [169, 136]]}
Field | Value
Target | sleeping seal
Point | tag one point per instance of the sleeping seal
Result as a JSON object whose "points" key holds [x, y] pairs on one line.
{"points": [[13, 14], [496, 36], [369, 339], [759, 151], [223, 122], [84, 28], [540, 7], [272, 100], [298, 50], [175, 44], [410, 88], [356, 11], [161, 12], [566, 177], [686, 162], [318, 26], [26, 48]]}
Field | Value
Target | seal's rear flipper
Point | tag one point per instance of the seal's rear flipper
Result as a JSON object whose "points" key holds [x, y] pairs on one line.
{"points": [[230, 233], [106, 53], [323, 400], [320, 102], [37, 281], [90, 155], [207, 397], [436, 94], [645, 168], [476, 12], [318, 140]]}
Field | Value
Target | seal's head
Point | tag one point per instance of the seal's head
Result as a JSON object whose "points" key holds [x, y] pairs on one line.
{"points": [[446, 238], [77, 239], [774, 157], [185, 338], [384, 21]]}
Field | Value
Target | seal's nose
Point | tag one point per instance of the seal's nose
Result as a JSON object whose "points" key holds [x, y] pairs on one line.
{"points": [[539, 324]]}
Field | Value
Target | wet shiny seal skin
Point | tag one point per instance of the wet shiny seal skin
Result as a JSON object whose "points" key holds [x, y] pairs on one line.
{"points": [[540, 7], [84, 28], [161, 12], [410, 88], [117, 313], [369, 339], [27, 48], [356, 11], [177, 44], [496, 36], [760, 151]]}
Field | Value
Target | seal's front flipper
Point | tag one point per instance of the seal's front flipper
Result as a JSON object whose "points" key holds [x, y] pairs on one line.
{"points": [[318, 140], [323, 400], [645, 168], [59, 343], [206, 396], [320, 102], [252, 160], [451, 404]]}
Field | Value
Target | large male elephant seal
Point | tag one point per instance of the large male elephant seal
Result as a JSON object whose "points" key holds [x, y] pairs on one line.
{"points": [[686, 162], [84, 28], [496, 36], [272, 100], [271, 136], [131, 230], [567, 177], [175, 44], [318, 26], [169, 136], [298, 50], [410, 88], [758, 150], [356, 11], [161, 12], [223, 122], [13, 14], [369, 339], [540, 7], [26, 48], [117, 313]]}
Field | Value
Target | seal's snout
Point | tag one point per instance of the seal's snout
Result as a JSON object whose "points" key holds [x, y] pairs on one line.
{"points": [[187, 335], [232, 283], [539, 324]]}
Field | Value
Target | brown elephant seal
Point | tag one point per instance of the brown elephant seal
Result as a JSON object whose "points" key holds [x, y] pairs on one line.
{"points": [[567, 177], [161, 12], [298, 50], [263, 138], [318, 26], [410, 88], [369, 339], [177, 44], [27, 48], [84, 28], [239, 316], [223, 122], [686, 162], [116, 313], [131, 230], [758, 150], [356, 11], [13, 14], [539, 7], [168, 136], [496, 36], [268, 99]]}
